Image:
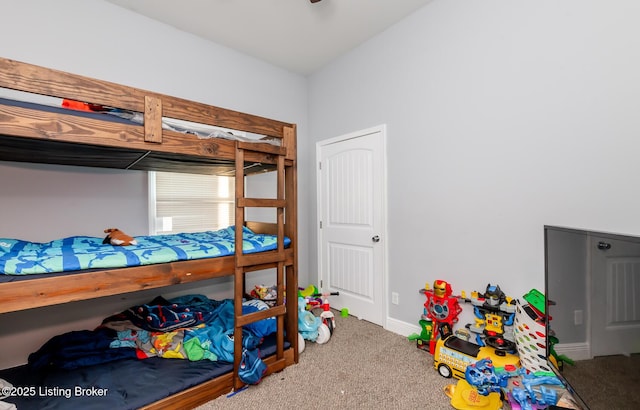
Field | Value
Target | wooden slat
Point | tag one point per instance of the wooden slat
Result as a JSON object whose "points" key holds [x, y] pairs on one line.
{"points": [[280, 301], [291, 230], [52, 290], [291, 321], [31, 78], [177, 153], [253, 317], [249, 259], [152, 119], [261, 203], [289, 141], [209, 390], [30, 123], [281, 193], [237, 330], [262, 147], [262, 227]]}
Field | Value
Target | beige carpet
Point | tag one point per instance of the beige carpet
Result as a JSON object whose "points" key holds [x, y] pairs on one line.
{"points": [[611, 382], [361, 367]]}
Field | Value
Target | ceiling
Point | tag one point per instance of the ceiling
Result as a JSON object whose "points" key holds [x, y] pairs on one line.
{"points": [[296, 35]]}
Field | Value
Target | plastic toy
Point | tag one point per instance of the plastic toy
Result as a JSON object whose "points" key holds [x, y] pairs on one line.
{"points": [[558, 359], [452, 356], [466, 397], [308, 291], [441, 308], [327, 316], [482, 387], [493, 311], [530, 336], [422, 339], [308, 323], [536, 300], [463, 334], [313, 328], [528, 397], [484, 378], [315, 300]]}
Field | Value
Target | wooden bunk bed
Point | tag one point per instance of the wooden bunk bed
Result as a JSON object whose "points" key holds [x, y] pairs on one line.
{"points": [[32, 135]]}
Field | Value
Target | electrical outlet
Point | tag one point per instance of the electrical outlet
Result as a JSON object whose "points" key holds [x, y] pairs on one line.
{"points": [[577, 317], [394, 298]]}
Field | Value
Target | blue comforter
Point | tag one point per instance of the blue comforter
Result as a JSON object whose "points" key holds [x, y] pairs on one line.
{"points": [[74, 253]]}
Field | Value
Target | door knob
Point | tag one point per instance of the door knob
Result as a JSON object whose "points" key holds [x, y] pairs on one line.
{"points": [[604, 246], [376, 238]]}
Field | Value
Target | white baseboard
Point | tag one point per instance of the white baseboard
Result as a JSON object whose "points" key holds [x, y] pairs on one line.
{"points": [[401, 328], [574, 351]]}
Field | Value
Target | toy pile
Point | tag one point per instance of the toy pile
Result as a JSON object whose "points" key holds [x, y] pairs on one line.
{"points": [[313, 327], [501, 357], [266, 294]]}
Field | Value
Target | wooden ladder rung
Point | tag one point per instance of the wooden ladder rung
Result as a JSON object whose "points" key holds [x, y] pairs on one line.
{"points": [[261, 258], [264, 148], [261, 203], [260, 315]]}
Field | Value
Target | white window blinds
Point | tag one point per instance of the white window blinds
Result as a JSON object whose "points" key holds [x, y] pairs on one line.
{"points": [[191, 202]]}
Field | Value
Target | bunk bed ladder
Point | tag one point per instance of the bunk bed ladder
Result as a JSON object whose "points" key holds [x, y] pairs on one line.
{"points": [[247, 262]]}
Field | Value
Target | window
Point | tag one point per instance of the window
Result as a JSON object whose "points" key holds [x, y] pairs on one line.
{"points": [[190, 202]]}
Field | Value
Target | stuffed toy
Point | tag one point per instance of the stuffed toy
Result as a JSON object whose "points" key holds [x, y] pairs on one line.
{"points": [[117, 237]]}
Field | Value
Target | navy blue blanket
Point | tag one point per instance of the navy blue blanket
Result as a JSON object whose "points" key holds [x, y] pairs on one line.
{"points": [[122, 384]]}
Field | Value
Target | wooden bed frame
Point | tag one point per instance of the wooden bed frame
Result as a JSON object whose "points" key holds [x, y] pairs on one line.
{"points": [[32, 135]]}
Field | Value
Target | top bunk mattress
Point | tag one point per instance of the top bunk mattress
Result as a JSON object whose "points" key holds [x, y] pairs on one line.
{"points": [[23, 258]]}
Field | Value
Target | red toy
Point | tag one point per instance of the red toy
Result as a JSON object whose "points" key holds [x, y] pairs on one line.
{"points": [[327, 315], [441, 308]]}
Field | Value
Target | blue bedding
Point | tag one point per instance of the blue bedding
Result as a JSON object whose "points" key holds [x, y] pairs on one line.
{"points": [[88, 370], [75, 253], [122, 384]]}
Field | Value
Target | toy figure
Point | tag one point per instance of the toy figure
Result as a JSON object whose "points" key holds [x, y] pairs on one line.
{"points": [[422, 339], [441, 308], [482, 387], [529, 398], [483, 377], [493, 311]]}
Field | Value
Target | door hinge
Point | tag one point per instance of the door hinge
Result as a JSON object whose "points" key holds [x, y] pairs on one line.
{"points": [[320, 224], [321, 286], [320, 165]]}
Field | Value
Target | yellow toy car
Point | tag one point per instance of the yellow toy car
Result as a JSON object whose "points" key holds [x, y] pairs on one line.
{"points": [[452, 355]]}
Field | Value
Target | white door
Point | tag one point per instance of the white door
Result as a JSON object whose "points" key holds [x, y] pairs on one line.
{"points": [[615, 296], [352, 220]]}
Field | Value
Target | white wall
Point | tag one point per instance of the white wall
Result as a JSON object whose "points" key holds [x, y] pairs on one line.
{"points": [[502, 117], [43, 202], [98, 39]]}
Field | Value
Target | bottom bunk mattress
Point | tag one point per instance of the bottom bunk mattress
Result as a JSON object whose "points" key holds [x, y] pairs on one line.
{"points": [[122, 384], [22, 258], [141, 355]]}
